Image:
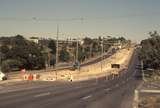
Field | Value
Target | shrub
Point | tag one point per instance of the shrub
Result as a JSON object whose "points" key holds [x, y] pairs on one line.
{"points": [[10, 64]]}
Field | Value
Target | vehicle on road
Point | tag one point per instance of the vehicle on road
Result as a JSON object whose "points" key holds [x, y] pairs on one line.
{"points": [[2, 76]]}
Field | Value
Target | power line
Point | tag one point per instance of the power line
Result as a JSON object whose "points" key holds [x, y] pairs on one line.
{"points": [[82, 19]]}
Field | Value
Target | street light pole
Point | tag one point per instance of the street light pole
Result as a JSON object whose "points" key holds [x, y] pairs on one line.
{"points": [[101, 58], [77, 51], [0, 60], [102, 55], [57, 49]]}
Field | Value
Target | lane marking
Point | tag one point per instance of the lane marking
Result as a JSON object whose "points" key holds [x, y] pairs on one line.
{"points": [[42, 94], [86, 97], [108, 89]]}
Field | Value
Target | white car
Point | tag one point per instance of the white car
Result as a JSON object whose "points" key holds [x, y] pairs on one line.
{"points": [[2, 76]]}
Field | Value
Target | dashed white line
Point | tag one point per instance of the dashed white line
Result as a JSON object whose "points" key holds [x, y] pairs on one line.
{"points": [[42, 94], [86, 97], [108, 89]]}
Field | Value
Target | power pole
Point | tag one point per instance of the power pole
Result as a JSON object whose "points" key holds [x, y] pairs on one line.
{"points": [[102, 54], [91, 50], [0, 60], [57, 49], [77, 51]]}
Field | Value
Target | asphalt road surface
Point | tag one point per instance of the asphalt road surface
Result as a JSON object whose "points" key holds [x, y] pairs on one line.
{"points": [[117, 92]]}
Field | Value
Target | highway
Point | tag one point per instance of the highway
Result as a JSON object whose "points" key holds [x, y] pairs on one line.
{"points": [[114, 93]]}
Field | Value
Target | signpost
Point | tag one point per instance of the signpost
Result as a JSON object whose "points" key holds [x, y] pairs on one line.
{"points": [[115, 66]]}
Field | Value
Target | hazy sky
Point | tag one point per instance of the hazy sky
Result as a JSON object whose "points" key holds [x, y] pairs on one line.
{"points": [[130, 18]]}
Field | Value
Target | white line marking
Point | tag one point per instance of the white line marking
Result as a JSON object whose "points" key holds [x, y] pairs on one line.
{"points": [[108, 89], [87, 97], [42, 94], [150, 91]]}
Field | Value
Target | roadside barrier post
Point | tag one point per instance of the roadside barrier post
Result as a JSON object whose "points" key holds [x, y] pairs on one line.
{"points": [[25, 76], [136, 99], [30, 77]]}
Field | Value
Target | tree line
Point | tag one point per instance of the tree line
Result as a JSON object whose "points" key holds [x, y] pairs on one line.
{"points": [[150, 52], [17, 52]]}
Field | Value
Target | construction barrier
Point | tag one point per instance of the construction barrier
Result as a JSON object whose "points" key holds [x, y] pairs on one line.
{"points": [[25, 77], [30, 77], [36, 76]]}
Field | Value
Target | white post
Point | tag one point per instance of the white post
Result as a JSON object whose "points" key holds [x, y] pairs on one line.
{"points": [[136, 99]]}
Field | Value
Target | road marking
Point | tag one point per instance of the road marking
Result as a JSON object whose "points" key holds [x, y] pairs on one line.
{"points": [[108, 89], [150, 91], [86, 97], [42, 94]]}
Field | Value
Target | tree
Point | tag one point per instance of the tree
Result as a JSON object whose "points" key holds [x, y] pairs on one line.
{"points": [[52, 45], [150, 51], [21, 53], [87, 41], [11, 64], [64, 55]]}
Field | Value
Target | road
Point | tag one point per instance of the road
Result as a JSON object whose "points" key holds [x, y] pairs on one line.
{"points": [[101, 93]]}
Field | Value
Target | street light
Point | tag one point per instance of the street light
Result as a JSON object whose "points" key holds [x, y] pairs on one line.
{"points": [[77, 52], [102, 53], [0, 60], [57, 49]]}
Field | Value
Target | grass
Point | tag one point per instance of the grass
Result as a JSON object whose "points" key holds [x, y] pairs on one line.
{"points": [[150, 102]]}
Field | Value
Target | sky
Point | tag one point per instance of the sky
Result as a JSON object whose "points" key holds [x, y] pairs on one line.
{"points": [[132, 19]]}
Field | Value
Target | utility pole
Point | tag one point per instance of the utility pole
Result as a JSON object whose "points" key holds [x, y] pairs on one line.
{"points": [[57, 49], [77, 50], [102, 55], [91, 50], [101, 59], [0, 60]]}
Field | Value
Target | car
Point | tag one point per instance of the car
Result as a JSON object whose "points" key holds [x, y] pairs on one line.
{"points": [[2, 76]]}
